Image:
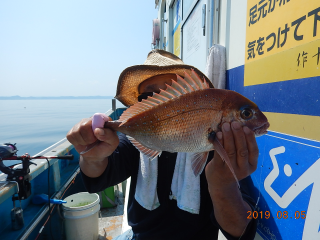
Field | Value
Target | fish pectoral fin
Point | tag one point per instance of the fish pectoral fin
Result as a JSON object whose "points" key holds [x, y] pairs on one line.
{"points": [[198, 161], [146, 151], [223, 154]]}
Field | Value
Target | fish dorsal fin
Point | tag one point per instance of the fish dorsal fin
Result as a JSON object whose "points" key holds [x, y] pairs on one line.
{"points": [[149, 102], [134, 110], [184, 84], [146, 104], [191, 81], [178, 87], [189, 84], [156, 100], [173, 91], [166, 94], [159, 97], [146, 151], [198, 80]]}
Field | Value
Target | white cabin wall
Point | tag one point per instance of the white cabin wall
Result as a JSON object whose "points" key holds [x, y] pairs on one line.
{"points": [[170, 25], [160, 16], [223, 22], [232, 31], [169, 5]]}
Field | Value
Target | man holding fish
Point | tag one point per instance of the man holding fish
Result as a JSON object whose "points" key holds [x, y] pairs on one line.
{"points": [[179, 188]]}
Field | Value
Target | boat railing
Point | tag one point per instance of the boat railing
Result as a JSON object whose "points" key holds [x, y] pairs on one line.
{"points": [[62, 172]]}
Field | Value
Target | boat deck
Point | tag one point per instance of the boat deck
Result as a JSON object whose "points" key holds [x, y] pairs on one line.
{"points": [[113, 221], [110, 222]]}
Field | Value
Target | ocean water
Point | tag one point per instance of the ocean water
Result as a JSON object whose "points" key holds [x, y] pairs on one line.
{"points": [[37, 124]]}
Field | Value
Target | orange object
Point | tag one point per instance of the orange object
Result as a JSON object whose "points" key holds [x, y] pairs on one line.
{"points": [[180, 118]]}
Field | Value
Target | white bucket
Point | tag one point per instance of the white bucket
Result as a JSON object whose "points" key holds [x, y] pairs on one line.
{"points": [[81, 213]]}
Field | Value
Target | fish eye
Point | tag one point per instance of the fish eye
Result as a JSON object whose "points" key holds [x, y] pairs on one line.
{"points": [[246, 113]]}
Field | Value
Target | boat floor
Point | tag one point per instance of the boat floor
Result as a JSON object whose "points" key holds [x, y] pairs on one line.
{"points": [[110, 221]]}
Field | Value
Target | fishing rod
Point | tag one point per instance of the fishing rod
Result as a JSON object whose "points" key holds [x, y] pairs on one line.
{"points": [[23, 157], [21, 176]]}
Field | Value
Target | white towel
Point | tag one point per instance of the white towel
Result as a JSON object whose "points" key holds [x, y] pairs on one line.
{"points": [[216, 66], [146, 188], [185, 186]]}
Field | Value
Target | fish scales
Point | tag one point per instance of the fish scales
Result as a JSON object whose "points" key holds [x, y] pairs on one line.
{"points": [[180, 118], [180, 124], [175, 134]]}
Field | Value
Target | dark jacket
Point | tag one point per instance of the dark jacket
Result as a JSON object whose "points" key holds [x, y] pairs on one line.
{"points": [[167, 221]]}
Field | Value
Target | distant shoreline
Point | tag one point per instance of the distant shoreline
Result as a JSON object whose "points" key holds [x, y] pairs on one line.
{"points": [[55, 98]]}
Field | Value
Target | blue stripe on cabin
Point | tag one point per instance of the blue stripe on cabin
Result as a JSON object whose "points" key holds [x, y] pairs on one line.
{"points": [[175, 28], [299, 96]]}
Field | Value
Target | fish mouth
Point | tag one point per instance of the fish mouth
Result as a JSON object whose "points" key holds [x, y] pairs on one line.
{"points": [[261, 130]]}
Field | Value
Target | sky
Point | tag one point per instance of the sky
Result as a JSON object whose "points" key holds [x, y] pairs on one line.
{"points": [[71, 47]]}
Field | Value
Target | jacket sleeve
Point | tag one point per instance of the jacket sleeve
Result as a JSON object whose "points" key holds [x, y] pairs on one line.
{"points": [[121, 165]]}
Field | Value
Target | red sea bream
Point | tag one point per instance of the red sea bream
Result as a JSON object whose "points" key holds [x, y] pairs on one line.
{"points": [[180, 118]]}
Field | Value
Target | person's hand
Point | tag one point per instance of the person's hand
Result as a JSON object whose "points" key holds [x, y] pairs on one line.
{"points": [[230, 209], [82, 135], [241, 146]]}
